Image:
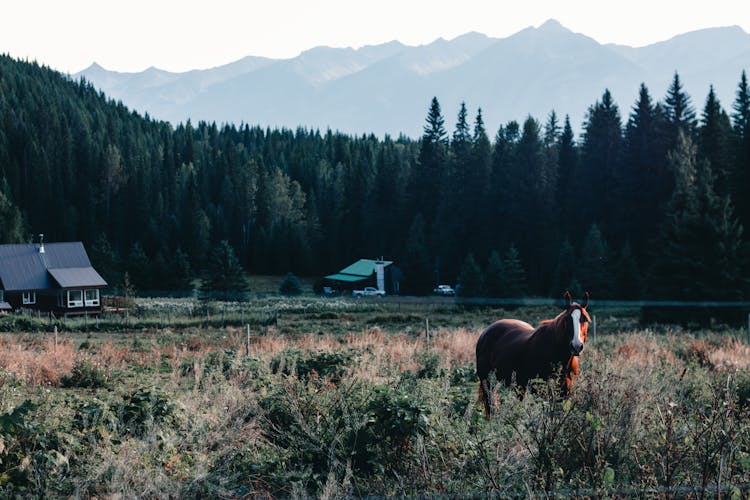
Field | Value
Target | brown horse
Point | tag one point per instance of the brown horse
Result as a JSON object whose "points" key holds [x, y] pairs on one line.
{"points": [[510, 347]]}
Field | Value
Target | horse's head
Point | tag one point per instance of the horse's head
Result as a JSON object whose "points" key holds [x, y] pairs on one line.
{"points": [[574, 323]]}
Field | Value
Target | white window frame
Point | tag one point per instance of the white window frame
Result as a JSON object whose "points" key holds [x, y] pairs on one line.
{"points": [[75, 303], [28, 298], [91, 302]]}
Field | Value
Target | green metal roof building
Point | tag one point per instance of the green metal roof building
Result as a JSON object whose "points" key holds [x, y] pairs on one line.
{"points": [[364, 273]]}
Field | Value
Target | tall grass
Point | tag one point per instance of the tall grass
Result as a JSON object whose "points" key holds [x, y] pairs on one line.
{"points": [[369, 411]]}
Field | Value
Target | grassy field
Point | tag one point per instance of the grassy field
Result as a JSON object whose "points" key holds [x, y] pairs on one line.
{"points": [[334, 398]]}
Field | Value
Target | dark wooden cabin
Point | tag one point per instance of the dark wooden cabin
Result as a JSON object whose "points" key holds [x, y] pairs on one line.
{"points": [[51, 277]]}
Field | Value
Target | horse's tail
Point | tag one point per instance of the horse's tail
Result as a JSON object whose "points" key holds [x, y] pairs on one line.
{"points": [[484, 397]]}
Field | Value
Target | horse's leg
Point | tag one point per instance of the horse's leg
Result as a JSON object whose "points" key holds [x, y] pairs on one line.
{"points": [[568, 376]]}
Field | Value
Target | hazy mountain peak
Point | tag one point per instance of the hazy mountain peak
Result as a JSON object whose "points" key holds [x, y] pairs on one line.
{"points": [[386, 88], [552, 25], [95, 68]]}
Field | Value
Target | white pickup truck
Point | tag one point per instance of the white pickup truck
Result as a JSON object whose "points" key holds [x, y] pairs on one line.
{"points": [[369, 291]]}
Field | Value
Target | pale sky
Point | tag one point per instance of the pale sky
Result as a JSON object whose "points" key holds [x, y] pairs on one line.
{"points": [[179, 35]]}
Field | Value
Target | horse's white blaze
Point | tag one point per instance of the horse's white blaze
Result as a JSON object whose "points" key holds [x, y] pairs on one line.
{"points": [[577, 342]]}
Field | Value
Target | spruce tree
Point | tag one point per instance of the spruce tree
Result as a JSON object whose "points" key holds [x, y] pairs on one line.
{"points": [[679, 110], [567, 169], [564, 278], [647, 181], [551, 129], [429, 176], [741, 122], [225, 278], [715, 136], [514, 278], [600, 166], [700, 253], [628, 275], [470, 280], [741, 108], [416, 263], [594, 269], [494, 276], [290, 285]]}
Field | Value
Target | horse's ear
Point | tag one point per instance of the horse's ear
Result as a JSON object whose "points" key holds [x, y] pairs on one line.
{"points": [[568, 298], [585, 300]]}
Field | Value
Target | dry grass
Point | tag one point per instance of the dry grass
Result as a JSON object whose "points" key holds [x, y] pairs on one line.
{"points": [[36, 361]]}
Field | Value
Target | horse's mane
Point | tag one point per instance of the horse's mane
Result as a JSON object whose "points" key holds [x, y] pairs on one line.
{"points": [[555, 322]]}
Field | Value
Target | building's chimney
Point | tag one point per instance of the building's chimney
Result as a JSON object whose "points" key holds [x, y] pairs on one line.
{"points": [[41, 243]]}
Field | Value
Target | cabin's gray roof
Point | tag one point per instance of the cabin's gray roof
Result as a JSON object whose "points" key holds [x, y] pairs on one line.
{"points": [[77, 276], [62, 265]]}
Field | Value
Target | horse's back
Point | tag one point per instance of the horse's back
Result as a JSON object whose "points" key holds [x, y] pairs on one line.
{"points": [[501, 343]]}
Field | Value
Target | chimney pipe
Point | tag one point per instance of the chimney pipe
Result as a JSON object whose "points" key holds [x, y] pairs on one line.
{"points": [[41, 243]]}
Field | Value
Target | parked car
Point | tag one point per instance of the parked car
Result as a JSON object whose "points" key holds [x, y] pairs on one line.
{"points": [[444, 290], [368, 292]]}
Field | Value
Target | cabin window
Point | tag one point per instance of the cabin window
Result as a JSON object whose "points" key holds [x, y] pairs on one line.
{"points": [[29, 298], [75, 298], [92, 297]]}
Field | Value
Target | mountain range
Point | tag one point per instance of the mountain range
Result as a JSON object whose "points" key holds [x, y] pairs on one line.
{"points": [[387, 88]]}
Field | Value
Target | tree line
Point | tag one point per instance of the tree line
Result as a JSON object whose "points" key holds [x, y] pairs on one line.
{"points": [[652, 200]]}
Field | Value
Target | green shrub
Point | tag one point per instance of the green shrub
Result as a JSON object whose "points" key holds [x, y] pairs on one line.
{"points": [[396, 417], [31, 460], [324, 364], [143, 407], [95, 419], [84, 374], [430, 362], [290, 285], [464, 374]]}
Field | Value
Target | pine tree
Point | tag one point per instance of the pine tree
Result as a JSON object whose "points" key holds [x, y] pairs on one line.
{"points": [[567, 170], [105, 260], [429, 176], [494, 276], [514, 278], [741, 180], [478, 184], [551, 129], [290, 285], [741, 108], [594, 269], [180, 273], [716, 142], [564, 276], [700, 254], [225, 277], [13, 228], [647, 179], [628, 275], [416, 262], [470, 280], [679, 111], [139, 268], [600, 160]]}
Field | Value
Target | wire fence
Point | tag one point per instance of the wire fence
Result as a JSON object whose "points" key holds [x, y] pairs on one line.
{"points": [[189, 308]]}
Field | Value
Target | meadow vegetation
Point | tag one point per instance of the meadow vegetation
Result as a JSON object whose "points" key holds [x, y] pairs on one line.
{"points": [[350, 398]]}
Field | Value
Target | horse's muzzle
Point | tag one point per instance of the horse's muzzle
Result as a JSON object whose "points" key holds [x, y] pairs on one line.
{"points": [[575, 349]]}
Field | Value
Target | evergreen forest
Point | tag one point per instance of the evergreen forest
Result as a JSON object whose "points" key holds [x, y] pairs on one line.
{"points": [[649, 200]]}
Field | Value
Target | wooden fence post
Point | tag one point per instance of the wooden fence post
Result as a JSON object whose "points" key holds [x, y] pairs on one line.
{"points": [[247, 341], [594, 325], [427, 331]]}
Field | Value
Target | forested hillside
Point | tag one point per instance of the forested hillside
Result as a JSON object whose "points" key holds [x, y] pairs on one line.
{"points": [[650, 199]]}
